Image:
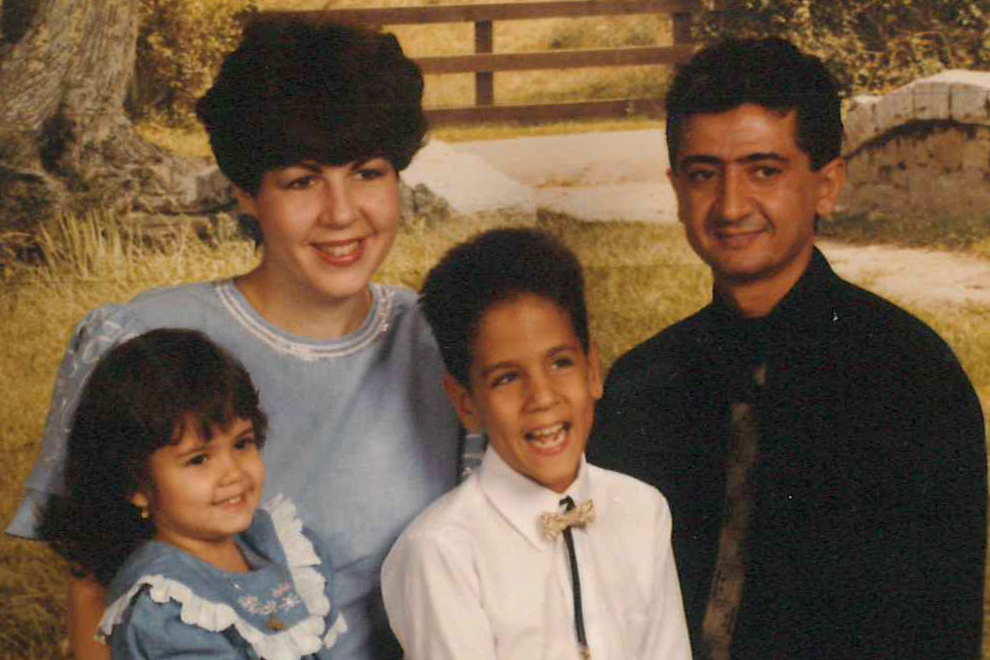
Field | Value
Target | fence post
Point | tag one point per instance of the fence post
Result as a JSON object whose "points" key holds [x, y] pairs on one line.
{"points": [[682, 28], [484, 81]]}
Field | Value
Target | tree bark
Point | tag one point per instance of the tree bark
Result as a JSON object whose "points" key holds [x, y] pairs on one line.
{"points": [[65, 141]]}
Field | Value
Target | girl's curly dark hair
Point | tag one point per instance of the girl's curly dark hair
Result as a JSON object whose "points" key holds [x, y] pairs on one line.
{"points": [[137, 400]]}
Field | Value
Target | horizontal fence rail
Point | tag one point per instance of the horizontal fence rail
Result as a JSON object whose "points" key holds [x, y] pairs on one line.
{"points": [[484, 63]]}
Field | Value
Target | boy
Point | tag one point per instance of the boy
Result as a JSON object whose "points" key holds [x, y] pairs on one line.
{"points": [[491, 570]]}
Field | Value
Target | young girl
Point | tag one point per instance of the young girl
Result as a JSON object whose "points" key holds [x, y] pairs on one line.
{"points": [[163, 481], [311, 123]]}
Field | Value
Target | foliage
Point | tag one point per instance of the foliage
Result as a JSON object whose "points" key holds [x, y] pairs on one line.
{"points": [[870, 45], [180, 46]]}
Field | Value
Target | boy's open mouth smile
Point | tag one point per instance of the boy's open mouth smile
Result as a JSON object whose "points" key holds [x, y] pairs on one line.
{"points": [[549, 438]]}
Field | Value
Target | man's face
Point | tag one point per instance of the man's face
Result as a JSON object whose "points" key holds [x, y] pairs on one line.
{"points": [[747, 195]]}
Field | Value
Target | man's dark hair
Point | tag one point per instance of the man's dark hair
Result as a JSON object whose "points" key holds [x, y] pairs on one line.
{"points": [[771, 73], [139, 398], [491, 268], [299, 90]]}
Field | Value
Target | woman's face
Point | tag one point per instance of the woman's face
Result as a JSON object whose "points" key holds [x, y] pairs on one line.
{"points": [[326, 228]]}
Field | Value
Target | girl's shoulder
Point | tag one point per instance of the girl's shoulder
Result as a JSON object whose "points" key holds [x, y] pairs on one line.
{"points": [[280, 608]]}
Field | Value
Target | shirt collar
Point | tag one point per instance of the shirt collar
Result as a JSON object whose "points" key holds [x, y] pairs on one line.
{"points": [[521, 500], [807, 308]]}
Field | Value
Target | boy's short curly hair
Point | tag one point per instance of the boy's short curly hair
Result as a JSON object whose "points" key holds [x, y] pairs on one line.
{"points": [[769, 72], [139, 398], [491, 268], [300, 90]]}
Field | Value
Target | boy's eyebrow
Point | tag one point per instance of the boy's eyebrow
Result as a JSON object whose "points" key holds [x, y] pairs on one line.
{"points": [[485, 371]]}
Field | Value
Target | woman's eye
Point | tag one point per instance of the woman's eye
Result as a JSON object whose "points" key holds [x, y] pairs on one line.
{"points": [[303, 182], [198, 459], [369, 173], [563, 362]]}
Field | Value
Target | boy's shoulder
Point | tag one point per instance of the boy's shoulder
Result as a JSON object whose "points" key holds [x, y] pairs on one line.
{"points": [[452, 514], [624, 498]]}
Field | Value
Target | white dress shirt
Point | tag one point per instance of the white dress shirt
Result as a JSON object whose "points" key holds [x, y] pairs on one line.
{"points": [[472, 578]]}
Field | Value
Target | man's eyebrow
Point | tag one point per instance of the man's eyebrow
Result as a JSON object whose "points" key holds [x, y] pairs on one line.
{"points": [[761, 156], [756, 157]]}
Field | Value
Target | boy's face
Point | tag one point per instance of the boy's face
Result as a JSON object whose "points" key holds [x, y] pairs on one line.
{"points": [[532, 389]]}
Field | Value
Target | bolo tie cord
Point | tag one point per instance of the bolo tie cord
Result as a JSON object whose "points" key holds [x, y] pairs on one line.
{"points": [[582, 639]]}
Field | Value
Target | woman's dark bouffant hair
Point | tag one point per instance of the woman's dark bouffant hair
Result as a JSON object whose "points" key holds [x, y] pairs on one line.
{"points": [[137, 400], [297, 90]]}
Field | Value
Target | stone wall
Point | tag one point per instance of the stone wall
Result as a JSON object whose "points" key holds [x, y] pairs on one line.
{"points": [[922, 150]]}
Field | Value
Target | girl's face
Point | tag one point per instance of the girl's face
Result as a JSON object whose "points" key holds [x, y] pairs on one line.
{"points": [[204, 490], [326, 228]]}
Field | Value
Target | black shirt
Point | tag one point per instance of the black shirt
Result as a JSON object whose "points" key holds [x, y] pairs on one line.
{"points": [[868, 533]]}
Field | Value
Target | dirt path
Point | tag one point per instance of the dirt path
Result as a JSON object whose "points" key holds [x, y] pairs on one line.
{"points": [[621, 176], [927, 278]]}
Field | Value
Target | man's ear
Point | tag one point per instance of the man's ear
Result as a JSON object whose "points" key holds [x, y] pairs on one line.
{"points": [[830, 179], [461, 399], [246, 202], [595, 371]]}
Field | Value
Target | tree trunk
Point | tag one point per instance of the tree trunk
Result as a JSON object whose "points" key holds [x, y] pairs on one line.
{"points": [[65, 142]]}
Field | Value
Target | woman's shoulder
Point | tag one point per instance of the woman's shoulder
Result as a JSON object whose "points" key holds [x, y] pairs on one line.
{"points": [[149, 309]]}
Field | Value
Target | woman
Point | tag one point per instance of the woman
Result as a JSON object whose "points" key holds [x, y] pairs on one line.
{"points": [[312, 124]]}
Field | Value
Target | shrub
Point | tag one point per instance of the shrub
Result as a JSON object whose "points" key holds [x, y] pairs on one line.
{"points": [[180, 46], [870, 45]]}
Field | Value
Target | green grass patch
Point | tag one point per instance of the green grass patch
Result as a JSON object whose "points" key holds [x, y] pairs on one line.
{"points": [[970, 235]]}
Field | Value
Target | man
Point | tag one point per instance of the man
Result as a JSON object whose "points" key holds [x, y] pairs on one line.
{"points": [[822, 450]]}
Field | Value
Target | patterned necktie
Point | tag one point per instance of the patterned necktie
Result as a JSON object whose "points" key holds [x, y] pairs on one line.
{"points": [[552, 525], [730, 569]]}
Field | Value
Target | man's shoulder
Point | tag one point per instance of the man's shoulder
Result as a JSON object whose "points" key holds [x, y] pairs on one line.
{"points": [[663, 351], [872, 319]]}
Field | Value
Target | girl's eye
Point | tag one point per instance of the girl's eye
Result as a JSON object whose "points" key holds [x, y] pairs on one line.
{"points": [[245, 442], [198, 459], [563, 362]]}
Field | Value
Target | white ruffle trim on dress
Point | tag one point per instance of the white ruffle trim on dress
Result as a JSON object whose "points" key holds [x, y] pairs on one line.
{"points": [[304, 638]]}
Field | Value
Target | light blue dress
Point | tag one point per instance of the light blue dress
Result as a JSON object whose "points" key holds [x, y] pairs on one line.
{"points": [[165, 603], [362, 436]]}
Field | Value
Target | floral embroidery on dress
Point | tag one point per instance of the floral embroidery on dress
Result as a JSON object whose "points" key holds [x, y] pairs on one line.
{"points": [[283, 599]]}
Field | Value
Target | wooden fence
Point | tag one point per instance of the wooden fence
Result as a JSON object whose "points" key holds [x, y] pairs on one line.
{"points": [[484, 63]]}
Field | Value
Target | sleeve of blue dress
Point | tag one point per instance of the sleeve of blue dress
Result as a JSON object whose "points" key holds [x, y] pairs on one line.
{"points": [[96, 334], [154, 631]]}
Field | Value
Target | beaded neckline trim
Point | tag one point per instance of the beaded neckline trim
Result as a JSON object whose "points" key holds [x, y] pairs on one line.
{"points": [[378, 324]]}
